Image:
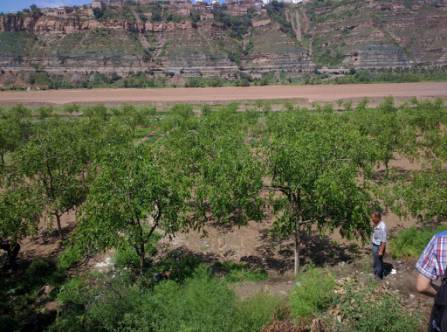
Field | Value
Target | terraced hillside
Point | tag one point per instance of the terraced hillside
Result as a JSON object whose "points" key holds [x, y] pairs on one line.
{"points": [[378, 34], [153, 45]]}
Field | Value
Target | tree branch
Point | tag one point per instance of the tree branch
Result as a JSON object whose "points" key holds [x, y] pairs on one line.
{"points": [[156, 220]]}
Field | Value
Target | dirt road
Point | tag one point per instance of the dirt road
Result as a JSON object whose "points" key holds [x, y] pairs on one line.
{"points": [[303, 94]]}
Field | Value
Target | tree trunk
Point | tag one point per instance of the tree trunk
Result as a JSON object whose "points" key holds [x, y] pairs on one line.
{"points": [[142, 254], [59, 226], [297, 248], [387, 167]]}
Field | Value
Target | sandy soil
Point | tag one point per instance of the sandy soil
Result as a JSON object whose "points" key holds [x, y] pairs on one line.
{"points": [[301, 94]]}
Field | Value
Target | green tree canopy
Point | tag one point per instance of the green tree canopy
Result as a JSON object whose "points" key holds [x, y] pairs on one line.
{"points": [[19, 211], [211, 151], [53, 161], [315, 164], [130, 200]]}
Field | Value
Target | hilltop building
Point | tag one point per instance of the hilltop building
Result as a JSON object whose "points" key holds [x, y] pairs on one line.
{"points": [[103, 3], [97, 4], [202, 7]]}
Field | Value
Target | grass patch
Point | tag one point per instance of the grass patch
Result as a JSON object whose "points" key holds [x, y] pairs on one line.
{"points": [[256, 312], [238, 273], [411, 242], [313, 293]]}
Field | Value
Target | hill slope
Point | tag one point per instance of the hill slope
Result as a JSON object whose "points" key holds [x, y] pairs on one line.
{"points": [[152, 45]]}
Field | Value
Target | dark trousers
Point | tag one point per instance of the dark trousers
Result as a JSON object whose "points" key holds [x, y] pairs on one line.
{"points": [[377, 262]]}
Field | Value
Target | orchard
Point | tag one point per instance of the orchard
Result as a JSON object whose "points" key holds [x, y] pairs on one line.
{"points": [[135, 177]]}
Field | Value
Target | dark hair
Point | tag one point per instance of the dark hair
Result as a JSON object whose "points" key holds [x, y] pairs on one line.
{"points": [[376, 213]]}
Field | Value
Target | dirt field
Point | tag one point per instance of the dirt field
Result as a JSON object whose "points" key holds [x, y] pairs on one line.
{"points": [[300, 94]]}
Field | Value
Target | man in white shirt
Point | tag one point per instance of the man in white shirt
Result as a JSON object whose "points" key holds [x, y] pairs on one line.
{"points": [[378, 243]]}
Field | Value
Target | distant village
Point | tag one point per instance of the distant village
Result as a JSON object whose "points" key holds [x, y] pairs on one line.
{"points": [[177, 7]]}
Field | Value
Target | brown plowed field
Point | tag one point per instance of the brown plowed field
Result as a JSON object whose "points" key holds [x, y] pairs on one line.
{"points": [[302, 94]]}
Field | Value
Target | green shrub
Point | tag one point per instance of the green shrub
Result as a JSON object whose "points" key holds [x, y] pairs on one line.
{"points": [[256, 312], [40, 272], [38, 267], [71, 108], [201, 304], [411, 242], [239, 272], [368, 308], [313, 293], [96, 303], [386, 315], [72, 293], [45, 112], [70, 256], [238, 275], [126, 256], [98, 111]]}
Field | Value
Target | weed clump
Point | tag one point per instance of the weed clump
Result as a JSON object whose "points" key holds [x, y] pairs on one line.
{"points": [[313, 293], [411, 242], [201, 303], [365, 307]]}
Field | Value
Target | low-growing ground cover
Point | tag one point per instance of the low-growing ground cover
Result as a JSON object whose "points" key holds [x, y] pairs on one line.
{"points": [[410, 242]]}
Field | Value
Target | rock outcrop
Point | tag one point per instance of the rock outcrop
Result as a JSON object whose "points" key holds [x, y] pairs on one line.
{"points": [[79, 45]]}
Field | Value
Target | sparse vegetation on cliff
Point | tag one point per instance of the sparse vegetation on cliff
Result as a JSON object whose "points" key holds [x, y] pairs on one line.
{"points": [[381, 42]]}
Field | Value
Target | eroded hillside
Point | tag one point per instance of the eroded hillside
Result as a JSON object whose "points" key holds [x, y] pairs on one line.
{"points": [[184, 44]]}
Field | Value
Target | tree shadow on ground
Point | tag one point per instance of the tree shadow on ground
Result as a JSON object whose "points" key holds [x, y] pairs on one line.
{"points": [[32, 282], [25, 290], [47, 244], [393, 174], [180, 263], [278, 256]]}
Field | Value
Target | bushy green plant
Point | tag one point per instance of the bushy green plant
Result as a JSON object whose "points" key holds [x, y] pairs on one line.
{"points": [[202, 304], [313, 293], [386, 315], [239, 272], [243, 274], [96, 303], [40, 272], [72, 292], [45, 112], [70, 256], [126, 256], [256, 312], [411, 242], [366, 308]]}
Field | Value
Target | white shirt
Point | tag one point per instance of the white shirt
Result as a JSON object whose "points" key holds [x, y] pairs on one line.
{"points": [[379, 233]]}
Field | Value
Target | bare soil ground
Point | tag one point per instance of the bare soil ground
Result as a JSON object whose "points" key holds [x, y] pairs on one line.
{"points": [[301, 94]]}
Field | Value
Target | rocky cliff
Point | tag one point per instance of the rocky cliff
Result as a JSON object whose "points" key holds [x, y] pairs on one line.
{"points": [[78, 46]]}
